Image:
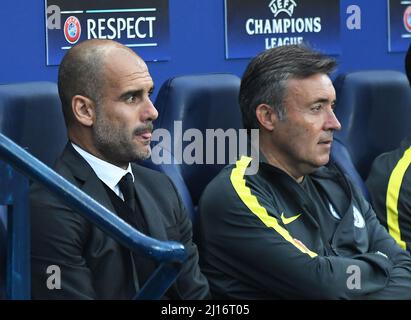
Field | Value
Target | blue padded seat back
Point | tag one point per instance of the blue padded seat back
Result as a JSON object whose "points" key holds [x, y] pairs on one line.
{"points": [[374, 108], [342, 158], [31, 115], [208, 101]]}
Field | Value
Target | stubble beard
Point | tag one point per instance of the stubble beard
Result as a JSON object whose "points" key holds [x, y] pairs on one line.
{"points": [[116, 144]]}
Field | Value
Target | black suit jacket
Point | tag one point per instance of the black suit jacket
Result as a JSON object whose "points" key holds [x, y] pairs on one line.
{"points": [[92, 264]]}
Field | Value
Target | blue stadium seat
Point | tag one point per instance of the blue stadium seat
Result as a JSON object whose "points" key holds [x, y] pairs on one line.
{"points": [[208, 101], [342, 158], [374, 108], [30, 114]]}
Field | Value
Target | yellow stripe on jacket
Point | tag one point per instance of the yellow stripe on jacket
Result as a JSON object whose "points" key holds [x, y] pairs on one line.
{"points": [[251, 201], [393, 194]]}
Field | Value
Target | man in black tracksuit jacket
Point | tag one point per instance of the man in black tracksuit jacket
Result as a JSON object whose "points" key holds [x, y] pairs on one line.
{"points": [[297, 229], [389, 184]]}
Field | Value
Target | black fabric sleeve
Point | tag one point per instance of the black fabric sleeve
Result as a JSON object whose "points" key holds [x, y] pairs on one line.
{"points": [[58, 236], [239, 246], [191, 283]]}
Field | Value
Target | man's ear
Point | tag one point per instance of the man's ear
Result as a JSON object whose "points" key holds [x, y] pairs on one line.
{"points": [[84, 110], [266, 116]]}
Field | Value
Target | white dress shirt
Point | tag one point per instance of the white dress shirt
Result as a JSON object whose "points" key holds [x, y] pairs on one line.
{"points": [[106, 172]]}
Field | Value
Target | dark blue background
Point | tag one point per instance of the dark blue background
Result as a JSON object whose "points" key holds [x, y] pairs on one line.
{"points": [[240, 44], [196, 41]]}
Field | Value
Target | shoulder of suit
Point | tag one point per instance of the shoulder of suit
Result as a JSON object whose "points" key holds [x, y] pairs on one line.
{"points": [[39, 192], [64, 170]]}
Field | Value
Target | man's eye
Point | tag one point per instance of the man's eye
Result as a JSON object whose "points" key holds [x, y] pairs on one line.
{"points": [[131, 99], [316, 107]]}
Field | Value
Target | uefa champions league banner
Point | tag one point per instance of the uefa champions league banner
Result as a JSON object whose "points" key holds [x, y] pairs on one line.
{"points": [[142, 25], [256, 25], [399, 25]]}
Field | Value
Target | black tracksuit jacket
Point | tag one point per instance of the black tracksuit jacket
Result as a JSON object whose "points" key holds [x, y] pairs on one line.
{"points": [[259, 239], [389, 184]]}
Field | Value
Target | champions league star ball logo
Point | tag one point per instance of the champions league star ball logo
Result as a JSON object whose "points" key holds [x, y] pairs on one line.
{"points": [[286, 6], [407, 19], [72, 30]]}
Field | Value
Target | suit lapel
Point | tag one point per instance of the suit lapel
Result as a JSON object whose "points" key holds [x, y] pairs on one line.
{"points": [[93, 186], [155, 224], [95, 189], [149, 209], [82, 171]]}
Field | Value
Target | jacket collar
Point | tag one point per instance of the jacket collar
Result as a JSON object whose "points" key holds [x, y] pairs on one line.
{"points": [[88, 180], [93, 186], [76, 163], [109, 173]]}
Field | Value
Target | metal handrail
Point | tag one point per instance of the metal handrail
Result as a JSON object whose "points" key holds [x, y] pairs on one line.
{"points": [[169, 254]]}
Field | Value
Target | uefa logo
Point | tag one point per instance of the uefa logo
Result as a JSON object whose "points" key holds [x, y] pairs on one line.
{"points": [[407, 19], [72, 29], [287, 6]]}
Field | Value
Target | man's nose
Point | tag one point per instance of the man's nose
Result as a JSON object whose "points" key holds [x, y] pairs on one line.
{"points": [[332, 122], [151, 112]]}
